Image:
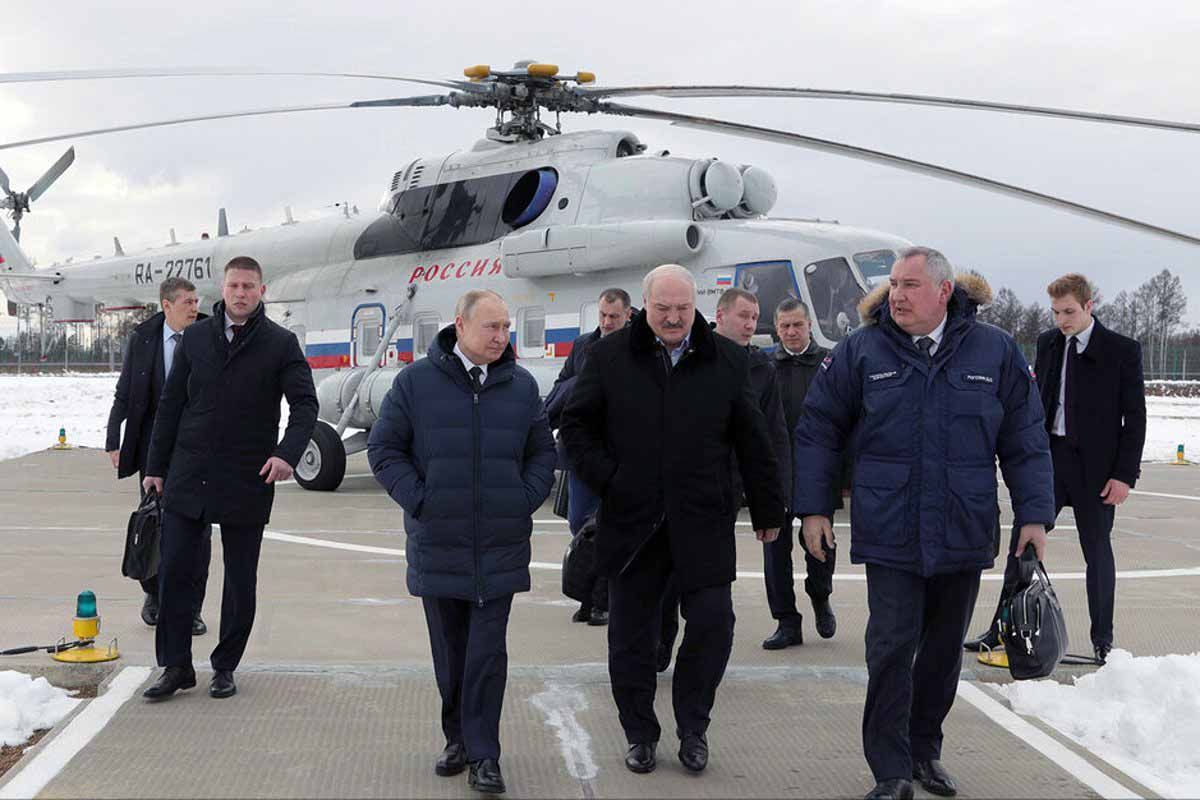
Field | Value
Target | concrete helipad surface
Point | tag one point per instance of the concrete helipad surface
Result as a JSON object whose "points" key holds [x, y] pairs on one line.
{"points": [[337, 697]]}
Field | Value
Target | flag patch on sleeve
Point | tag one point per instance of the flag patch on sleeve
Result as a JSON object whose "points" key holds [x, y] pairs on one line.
{"points": [[1032, 374], [827, 362]]}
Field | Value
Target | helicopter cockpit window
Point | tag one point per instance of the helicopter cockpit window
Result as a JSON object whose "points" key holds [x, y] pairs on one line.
{"points": [[770, 282], [875, 265], [835, 296]]}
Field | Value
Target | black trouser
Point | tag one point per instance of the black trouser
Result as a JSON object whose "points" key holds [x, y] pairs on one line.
{"points": [[914, 654], [1094, 523], [635, 604], [670, 613], [599, 597], [200, 579], [777, 572], [182, 541], [470, 660]]}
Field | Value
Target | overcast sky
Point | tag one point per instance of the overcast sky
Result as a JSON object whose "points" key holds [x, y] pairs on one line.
{"points": [[1119, 57]]}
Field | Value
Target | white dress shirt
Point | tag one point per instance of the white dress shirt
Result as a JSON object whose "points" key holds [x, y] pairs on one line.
{"points": [[468, 363], [229, 328], [169, 345], [1060, 415], [935, 334]]}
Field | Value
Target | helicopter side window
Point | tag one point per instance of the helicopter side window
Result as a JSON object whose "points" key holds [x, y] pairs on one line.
{"points": [[531, 328], [425, 328], [771, 282], [875, 265], [835, 296]]}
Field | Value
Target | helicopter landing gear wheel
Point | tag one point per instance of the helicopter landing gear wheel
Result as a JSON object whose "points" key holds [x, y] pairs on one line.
{"points": [[323, 464]]}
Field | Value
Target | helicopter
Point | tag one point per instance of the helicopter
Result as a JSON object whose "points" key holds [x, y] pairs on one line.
{"points": [[546, 217]]}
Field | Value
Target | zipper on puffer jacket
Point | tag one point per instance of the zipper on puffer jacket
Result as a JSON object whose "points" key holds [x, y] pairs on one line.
{"points": [[475, 481]]}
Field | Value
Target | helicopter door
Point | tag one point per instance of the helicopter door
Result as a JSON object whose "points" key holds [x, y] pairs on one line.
{"points": [[366, 330], [770, 282]]}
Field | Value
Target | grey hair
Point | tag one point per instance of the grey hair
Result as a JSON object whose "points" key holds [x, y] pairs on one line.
{"points": [[674, 270], [466, 303], [937, 266]]}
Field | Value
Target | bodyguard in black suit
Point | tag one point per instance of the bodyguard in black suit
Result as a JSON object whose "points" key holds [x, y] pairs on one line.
{"points": [[216, 442], [650, 427], [148, 354], [1095, 400]]}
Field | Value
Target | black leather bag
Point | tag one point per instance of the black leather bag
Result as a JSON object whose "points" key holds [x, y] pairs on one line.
{"points": [[140, 561], [579, 563], [1032, 625]]}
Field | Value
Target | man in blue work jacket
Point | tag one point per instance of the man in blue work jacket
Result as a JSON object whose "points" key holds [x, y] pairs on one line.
{"points": [[930, 397]]}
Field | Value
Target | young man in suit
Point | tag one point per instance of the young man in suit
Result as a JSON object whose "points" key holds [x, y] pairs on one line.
{"points": [[1095, 402], [149, 355]]}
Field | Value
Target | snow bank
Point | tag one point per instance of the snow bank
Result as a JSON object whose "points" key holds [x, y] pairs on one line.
{"points": [[29, 704], [1141, 714]]}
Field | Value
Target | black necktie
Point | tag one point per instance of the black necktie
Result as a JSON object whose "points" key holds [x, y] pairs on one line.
{"points": [[476, 374], [1069, 390], [925, 345], [237, 332]]}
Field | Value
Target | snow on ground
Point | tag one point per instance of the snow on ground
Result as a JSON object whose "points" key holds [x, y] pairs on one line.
{"points": [[1140, 714], [34, 407], [29, 704]]}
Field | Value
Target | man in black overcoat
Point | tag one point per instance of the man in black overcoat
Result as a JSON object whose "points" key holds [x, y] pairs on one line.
{"points": [[1094, 396], [652, 423], [215, 456]]}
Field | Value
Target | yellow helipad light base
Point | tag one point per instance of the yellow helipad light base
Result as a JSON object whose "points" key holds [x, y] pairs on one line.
{"points": [[993, 658], [88, 655]]}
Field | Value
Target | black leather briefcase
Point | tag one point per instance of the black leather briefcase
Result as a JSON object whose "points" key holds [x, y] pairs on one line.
{"points": [[1032, 625], [579, 563], [140, 561]]}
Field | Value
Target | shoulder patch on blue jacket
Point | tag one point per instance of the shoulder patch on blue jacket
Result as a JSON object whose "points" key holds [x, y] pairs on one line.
{"points": [[828, 362]]}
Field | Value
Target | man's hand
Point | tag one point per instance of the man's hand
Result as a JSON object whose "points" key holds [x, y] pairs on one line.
{"points": [[276, 469], [151, 483], [1032, 535], [1115, 492], [818, 535], [115, 457], [767, 534]]}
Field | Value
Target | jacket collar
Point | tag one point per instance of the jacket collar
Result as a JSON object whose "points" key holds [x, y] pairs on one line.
{"points": [[252, 324], [441, 353], [971, 291], [1098, 341], [701, 342], [811, 356]]}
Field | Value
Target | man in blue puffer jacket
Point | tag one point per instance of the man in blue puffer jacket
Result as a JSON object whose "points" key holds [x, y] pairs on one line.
{"points": [[463, 445], [930, 397]]}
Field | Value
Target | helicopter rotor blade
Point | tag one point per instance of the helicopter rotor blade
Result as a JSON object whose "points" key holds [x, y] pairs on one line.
{"points": [[413, 101], [879, 97], [51, 175], [890, 160], [190, 72]]}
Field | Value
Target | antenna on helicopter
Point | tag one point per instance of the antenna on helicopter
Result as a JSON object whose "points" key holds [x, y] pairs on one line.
{"points": [[173, 241], [287, 213], [18, 202], [222, 223], [117, 249]]}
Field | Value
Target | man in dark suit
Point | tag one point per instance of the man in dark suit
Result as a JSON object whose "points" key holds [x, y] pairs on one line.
{"points": [[216, 443], [463, 446], [1094, 396], [615, 309], [149, 354], [655, 415]]}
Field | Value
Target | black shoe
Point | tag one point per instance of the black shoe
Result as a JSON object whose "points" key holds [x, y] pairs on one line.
{"points": [[598, 617], [172, 680], [199, 628], [662, 659], [933, 776], [894, 789], [1102, 651], [485, 776], [825, 619], [452, 761], [786, 635], [693, 751], [222, 684], [150, 610], [988, 640], [582, 615], [640, 758]]}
